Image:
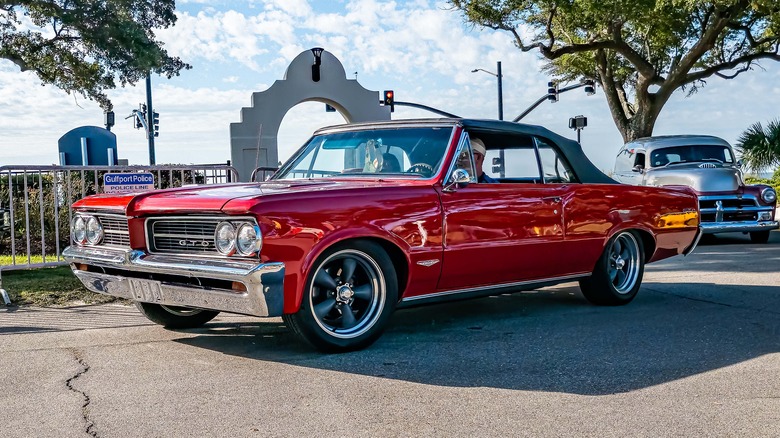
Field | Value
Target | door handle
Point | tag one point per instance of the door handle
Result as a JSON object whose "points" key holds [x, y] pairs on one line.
{"points": [[555, 199]]}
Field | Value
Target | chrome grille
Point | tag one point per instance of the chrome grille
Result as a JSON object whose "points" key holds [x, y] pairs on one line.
{"points": [[115, 230], [730, 208], [183, 235]]}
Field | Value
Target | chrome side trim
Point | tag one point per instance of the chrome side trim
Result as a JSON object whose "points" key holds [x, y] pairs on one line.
{"points": [[264, 282], [473, 292]]}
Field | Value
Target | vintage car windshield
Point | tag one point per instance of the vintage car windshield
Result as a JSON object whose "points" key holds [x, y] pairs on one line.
{"points": [[411, 152], [690, 153]]}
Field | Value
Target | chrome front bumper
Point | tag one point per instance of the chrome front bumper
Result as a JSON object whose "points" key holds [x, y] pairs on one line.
{"points": [[742, 226], [179, 281]]}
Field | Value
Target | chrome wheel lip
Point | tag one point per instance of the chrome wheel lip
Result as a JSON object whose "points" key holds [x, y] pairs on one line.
{"points": [[624, 258], [373, 310]]}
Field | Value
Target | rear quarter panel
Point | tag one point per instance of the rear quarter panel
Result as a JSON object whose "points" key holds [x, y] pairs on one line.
{"points": [[593, 213]]}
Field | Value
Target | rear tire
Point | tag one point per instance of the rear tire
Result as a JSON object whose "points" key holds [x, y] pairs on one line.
{"points": [[349, 296], [176, 317], [618, 273], [759, 236]]}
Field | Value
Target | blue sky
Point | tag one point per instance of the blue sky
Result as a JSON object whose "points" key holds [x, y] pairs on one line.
{"points": [[419, 48]]}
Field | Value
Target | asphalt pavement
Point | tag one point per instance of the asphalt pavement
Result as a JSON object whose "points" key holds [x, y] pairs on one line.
{"points": [[697, 353]]}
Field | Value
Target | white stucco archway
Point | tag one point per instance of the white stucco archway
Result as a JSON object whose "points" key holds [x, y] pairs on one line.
{"points": [[253, 140]]}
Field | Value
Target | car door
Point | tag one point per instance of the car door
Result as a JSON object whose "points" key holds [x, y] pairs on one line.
{"points": [[506, 232]]}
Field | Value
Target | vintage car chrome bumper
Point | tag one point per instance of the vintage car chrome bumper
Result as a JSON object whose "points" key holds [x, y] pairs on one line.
{"points": [[739, 226], [181, 281]]}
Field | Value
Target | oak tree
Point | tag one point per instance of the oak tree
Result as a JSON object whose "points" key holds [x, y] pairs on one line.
{"points": [[85, 46], [639, 51]]}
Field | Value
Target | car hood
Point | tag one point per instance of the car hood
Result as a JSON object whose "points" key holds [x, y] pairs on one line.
{"points": [[703, 180], [213, 198]]}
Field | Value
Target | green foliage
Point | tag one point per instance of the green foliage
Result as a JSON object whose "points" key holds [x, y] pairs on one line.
{"points": [[774, 181], [82, 46], [759, 147], [627, 46]]}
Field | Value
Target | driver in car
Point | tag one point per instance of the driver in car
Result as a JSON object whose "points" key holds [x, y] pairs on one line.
{"points": [[479, 157]]}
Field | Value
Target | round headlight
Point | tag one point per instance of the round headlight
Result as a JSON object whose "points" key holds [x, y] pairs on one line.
{"points": [[248, 239], [78, 230], [769, 195], [225, 238], [94, 230]]}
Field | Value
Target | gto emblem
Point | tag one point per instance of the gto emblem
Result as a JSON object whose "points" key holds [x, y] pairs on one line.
{"points": [[185, 242]]}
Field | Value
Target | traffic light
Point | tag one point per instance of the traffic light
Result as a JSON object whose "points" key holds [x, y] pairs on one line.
{"points": [[552, 92], [156, 123], [389, 100], [590, 87]]}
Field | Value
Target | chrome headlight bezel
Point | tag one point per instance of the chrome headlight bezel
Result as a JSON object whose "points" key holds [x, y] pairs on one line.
{"points": [[768, 195], [225, 238], [94, 230], [78, 230], [252, 237]]}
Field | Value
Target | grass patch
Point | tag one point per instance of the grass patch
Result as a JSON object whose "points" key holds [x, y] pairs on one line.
{"points": [[48, 287]]}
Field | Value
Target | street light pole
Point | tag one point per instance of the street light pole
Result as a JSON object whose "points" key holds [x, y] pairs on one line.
{"points": [[500, 92], [498, 76]]}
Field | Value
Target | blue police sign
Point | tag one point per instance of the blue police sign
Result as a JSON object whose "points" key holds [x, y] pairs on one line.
{"points": [[127, 182]]}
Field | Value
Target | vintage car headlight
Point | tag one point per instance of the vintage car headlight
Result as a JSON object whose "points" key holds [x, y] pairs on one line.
{"points": [[225, 238], [769, 195], [78, 230], [94, 230], [248, 239]]}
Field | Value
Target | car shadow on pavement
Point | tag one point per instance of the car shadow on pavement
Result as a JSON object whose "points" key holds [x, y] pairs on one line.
{"points": [[546, 340]]}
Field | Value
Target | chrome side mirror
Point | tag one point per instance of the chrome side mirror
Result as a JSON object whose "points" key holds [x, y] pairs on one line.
{"points": [[458, 179], [638, 168]]}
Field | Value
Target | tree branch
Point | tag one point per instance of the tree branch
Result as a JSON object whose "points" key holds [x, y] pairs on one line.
{"points": [[716, 69]]}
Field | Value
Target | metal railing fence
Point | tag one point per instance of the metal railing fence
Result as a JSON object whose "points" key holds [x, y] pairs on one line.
{"points": [[35, 205]]}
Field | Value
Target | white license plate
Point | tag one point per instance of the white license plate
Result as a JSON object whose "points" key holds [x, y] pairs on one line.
{"points": [[145, 290]]}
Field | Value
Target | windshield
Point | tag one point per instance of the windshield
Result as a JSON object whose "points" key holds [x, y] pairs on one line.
{"points": [[413, 152], [691, 153]]}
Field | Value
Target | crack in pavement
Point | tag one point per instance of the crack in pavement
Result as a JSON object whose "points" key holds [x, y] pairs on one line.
{"points": [[89, 427]]}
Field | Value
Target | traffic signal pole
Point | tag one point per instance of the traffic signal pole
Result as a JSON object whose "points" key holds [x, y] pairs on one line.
{"points": [[150, 119]]}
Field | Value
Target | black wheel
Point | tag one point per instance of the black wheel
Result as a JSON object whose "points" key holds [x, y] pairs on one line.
{"points": [[759, 236], [349, 296], [618, 272], [176, 317]]}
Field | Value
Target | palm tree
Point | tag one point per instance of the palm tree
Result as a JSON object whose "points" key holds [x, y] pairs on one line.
{"points": [[759, 147]]}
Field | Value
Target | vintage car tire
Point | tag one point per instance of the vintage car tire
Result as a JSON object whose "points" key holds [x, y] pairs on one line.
{"points": [[176, 317], [759, 236], [618, 273], [370, 297]]}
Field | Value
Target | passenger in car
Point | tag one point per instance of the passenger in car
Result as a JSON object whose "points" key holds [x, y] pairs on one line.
{"points": [[479, 157], [390, 163]]}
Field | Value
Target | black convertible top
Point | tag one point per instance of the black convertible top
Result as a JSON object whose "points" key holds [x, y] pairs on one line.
{"points": [[492, 131], [496, 132]]}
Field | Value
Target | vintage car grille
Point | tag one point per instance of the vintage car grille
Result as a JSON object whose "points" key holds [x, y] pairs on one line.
{"points": [[728, 208], [115, 231], [182, 235]]}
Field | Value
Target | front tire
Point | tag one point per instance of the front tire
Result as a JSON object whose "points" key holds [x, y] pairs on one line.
{"points": [[759, 236], [349, 296], [176, 317], [618, 273]]}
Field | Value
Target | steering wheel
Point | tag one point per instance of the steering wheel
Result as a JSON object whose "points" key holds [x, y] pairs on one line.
{"points": [[423, 169]]}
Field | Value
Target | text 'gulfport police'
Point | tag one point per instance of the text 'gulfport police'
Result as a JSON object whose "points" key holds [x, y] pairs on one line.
{"points": [[129, 178]]}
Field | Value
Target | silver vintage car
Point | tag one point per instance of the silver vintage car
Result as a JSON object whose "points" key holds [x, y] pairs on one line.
{"points": [[706, 164]]}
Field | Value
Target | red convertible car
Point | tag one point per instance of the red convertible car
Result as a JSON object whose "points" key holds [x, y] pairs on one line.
{"points": [[368, 218]]}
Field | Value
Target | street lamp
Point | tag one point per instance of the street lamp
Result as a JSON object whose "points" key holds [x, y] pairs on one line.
{"points": [[500, 92]]}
